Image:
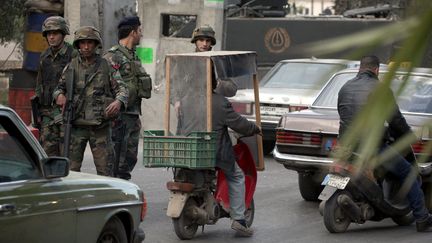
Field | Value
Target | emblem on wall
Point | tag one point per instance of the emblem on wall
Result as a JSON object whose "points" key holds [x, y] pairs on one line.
{"points": [[277, 40]]}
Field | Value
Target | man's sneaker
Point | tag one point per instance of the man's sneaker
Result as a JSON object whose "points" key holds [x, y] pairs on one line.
{"points": [[424, 225], [241, 228]]}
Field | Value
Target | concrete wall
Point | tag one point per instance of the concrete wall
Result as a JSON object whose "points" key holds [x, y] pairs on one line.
{"points": [[207, 12], [102, 14]]}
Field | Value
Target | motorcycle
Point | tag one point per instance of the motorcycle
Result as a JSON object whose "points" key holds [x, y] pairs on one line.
{"points": [[350, 196], [200, 197]]}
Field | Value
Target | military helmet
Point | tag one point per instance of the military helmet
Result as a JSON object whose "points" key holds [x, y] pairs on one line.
{"points": [[55, 23], [204, 31], [87, 33]]}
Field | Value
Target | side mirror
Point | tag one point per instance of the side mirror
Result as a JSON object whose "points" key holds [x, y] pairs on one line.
{"points": [[54, 167]]}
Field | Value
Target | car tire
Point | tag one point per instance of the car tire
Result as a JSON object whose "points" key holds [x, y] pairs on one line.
{"points": [[309, 187], [113, 231], [268, 147]]}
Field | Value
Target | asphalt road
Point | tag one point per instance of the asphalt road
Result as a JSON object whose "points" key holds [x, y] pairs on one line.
{"points": [[281, 214]]}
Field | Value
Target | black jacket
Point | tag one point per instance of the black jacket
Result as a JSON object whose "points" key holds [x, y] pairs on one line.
{"points": [[354, 94]]}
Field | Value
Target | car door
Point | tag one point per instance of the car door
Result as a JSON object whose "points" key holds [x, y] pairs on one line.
{"points": [[32, 208]]}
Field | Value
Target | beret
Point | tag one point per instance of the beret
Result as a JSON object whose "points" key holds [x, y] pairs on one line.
{"points": [[130, 21]]}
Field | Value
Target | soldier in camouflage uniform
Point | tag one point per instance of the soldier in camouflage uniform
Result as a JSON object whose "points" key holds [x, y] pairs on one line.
{"points": [[204, 38], [98, 95], [126, 128], [52, 62]]}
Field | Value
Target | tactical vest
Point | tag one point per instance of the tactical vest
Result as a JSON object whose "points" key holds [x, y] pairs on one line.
{"points": [[91, 100], [52, 70], [137, 80]]}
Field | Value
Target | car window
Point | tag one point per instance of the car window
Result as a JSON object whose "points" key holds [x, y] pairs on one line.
{"points": [[329, 95], [416, 95], [300, 75], [15, 161]]}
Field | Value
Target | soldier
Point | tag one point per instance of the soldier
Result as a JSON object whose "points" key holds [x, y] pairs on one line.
{"points": [[98, 94], [52, 62], [204, 38], [127, 127]]}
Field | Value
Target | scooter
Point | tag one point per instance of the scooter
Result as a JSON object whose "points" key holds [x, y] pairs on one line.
{"points": [[352, 197], [200, 197]]}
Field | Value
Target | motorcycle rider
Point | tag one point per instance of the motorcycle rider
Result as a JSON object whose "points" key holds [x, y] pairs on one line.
{"points": [[352, 97], [225, 117]]}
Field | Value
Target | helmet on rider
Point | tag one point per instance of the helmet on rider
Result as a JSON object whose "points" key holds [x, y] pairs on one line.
{"points": [[204, 31], [55, 23], [87, 33]]}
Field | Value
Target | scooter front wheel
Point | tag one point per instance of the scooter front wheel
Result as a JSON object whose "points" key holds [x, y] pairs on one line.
{"points": [[184, 226], [250, 214], [335, 220]]}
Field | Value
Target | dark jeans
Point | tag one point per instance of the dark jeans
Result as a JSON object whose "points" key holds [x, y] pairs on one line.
{"points": [[401, 168]]}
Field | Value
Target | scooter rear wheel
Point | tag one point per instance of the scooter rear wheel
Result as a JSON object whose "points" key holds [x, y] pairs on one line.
{"points": [[250, 214], [335, 220], [184, 226]]}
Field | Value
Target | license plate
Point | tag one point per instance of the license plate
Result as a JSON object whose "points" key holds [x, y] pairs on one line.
{"points": [[336, 181], [273, 111]]}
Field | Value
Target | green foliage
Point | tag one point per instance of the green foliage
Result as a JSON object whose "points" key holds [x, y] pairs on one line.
{"points": [[12, 22], [413, 36]]}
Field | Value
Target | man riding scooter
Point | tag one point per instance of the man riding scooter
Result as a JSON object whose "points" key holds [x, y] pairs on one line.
{"points": [[352, 97], [225, 117]]}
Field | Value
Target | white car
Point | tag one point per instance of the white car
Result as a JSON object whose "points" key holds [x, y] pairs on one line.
{"points": [[291, 85]]}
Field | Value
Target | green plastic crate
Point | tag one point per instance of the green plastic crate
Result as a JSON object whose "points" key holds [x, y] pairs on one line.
{"points": [[196, 151]]}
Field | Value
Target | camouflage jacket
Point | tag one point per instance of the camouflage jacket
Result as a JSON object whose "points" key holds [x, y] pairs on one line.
{"points": [[131, 70], [50, 69], [93, 90]]}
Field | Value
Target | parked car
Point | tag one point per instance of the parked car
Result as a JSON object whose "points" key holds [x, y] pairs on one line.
{"points": [[305, 139], [41, 201], [290, 85]]}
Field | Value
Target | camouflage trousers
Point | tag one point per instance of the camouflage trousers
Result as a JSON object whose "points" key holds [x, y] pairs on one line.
{"points": [[101, 146], [126, 131], [51, 133]]}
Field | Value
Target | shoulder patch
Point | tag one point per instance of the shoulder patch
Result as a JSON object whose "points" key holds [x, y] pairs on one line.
{"points": [[116, 66]]}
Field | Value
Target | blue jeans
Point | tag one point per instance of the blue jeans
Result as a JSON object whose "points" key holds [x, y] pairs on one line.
{"points": [[401, 168], [236, 192]]}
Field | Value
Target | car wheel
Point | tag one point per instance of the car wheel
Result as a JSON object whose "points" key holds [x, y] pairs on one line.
{"points": [[309, 187], [184, 226], [268, 147], [250, 214], [113, 232], [335, 219]]}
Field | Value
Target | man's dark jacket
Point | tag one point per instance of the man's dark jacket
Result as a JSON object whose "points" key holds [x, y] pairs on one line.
{"points": [[355, 93], [223, 117]]}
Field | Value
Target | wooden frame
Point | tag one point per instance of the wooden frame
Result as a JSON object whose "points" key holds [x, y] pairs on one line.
{"points": [[209, 67]]}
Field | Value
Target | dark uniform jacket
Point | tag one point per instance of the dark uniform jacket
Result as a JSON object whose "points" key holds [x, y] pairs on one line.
{"points": [[355, 93], [223, 117]]}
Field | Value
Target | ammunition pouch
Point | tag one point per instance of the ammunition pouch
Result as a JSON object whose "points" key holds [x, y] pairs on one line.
{"points": [[144, 86]]}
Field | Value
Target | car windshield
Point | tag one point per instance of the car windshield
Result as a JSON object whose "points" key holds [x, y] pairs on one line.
{"points": [[300, 75], [415, 97]]}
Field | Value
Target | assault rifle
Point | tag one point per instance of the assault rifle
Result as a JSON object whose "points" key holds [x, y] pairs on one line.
{"points": [[69, 111]]}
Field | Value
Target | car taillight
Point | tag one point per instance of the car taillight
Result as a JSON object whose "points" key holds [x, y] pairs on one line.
{"points": [[418, 147], [297, 108], [286, 137], [242, 108], [143, 207]]}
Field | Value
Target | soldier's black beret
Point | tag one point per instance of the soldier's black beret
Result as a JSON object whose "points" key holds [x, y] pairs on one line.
{"points": [[129, 21]]}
